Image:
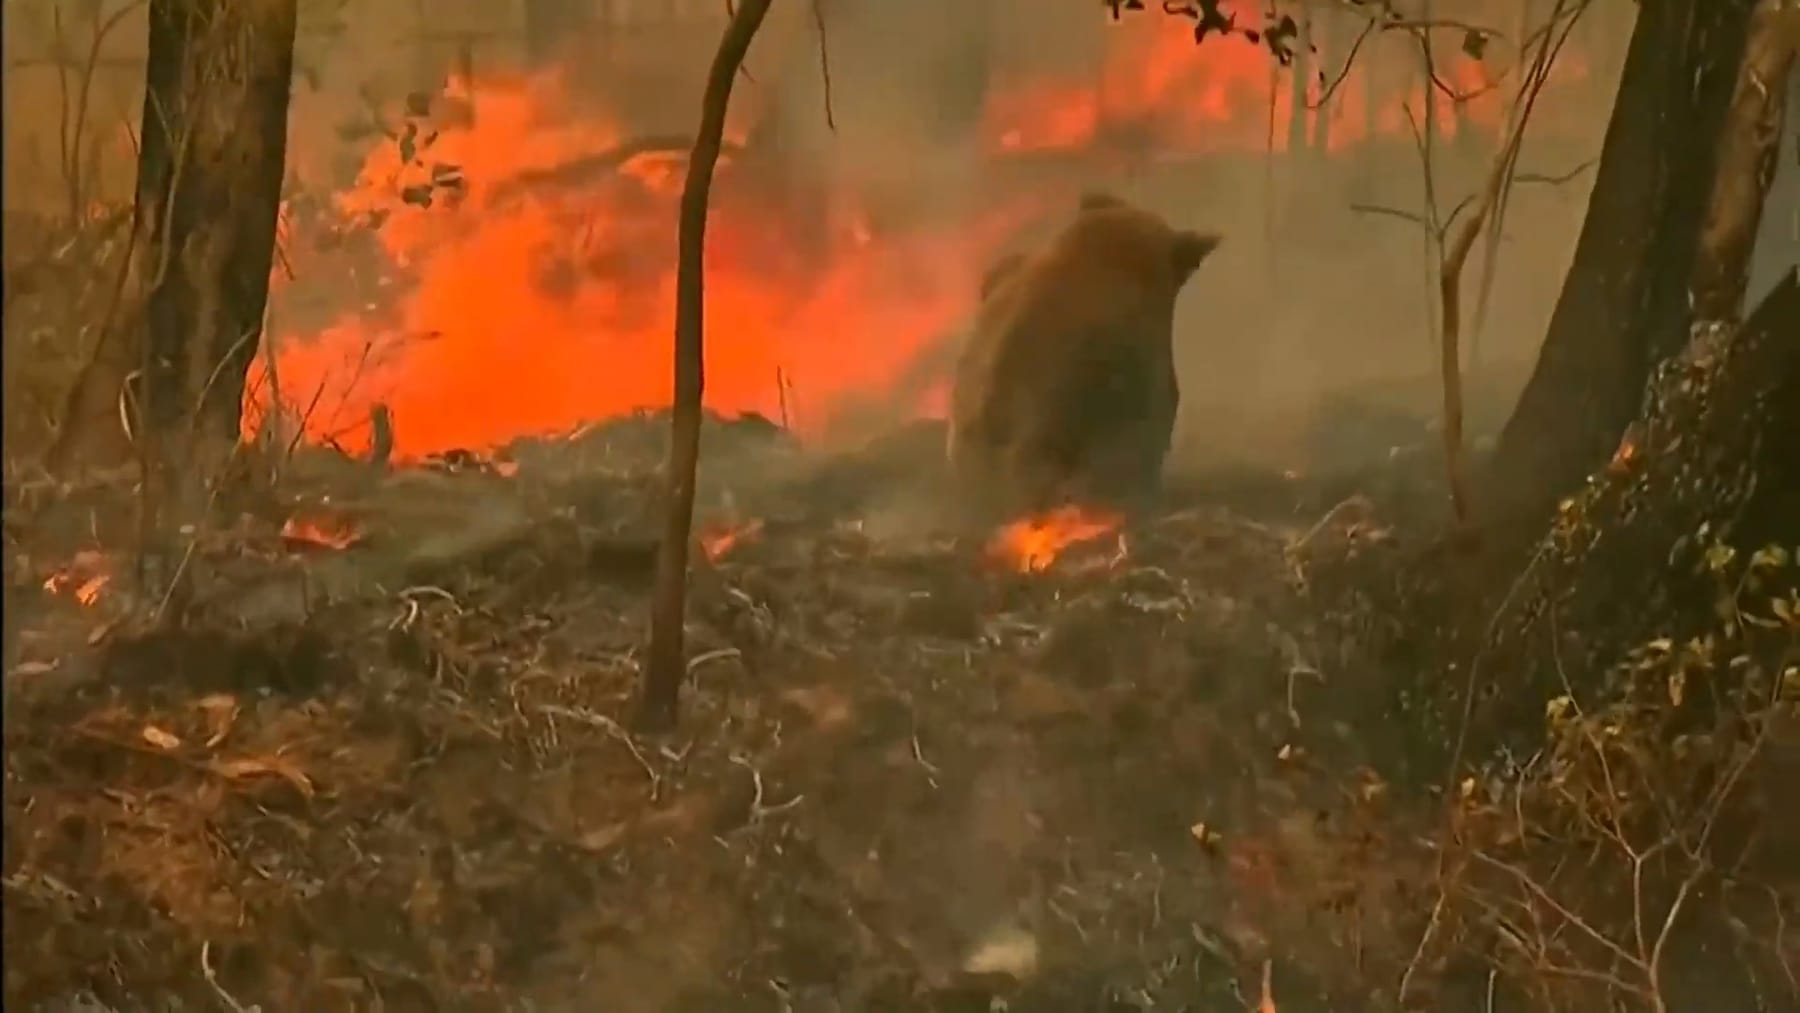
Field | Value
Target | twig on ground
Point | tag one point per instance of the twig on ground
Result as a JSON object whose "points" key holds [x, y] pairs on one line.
{"points": [[614, 729], [212, 980]]}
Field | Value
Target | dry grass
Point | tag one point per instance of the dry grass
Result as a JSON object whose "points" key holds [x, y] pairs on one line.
{"points": [[60, 290]]}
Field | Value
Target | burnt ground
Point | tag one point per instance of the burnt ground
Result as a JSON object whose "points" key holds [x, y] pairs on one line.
{"points": [[398, 775]]}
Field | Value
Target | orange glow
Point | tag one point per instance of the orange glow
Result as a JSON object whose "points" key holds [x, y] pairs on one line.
{"points": [[1156, 83], [542, 297], [719, 543], [89, 591], [320, 529], [539, 295], [86, 576], [1031, 544]]}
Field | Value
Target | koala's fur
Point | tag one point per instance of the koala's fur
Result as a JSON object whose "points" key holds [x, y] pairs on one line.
{"points": [[1066, 388]]}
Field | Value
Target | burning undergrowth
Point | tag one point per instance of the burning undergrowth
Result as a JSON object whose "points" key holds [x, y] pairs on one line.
{"points": [[384, 759]]}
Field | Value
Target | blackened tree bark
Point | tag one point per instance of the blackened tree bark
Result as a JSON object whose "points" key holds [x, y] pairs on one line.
{"points": [[665, 663], [1300, 73], [1759, 124], [1624, 303], [1709, 460], [1323, 30], [1748, 149], [210, 170], [210, 166]]}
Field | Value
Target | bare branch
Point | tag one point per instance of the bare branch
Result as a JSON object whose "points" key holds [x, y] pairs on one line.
{"points": [[664, 665]]}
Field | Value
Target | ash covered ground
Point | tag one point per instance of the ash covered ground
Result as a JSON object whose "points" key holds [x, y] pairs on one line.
{"points": [[385, 761]]}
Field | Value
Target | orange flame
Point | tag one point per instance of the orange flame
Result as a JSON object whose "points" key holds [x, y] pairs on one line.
{"points": [[1222, 95], [89, 591], [537, 292], [540, 297], [84, 579], [1031, 544], [718, 544], [320, 529]]}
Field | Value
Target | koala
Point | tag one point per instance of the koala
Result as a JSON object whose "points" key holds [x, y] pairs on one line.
{"points": [[1066, 388]]}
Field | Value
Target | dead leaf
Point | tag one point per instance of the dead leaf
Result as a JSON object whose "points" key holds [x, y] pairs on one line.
{"points": [[1207, 836], [602, 838], [221, 710], [1372, 787], [29, 668], [249, 767], [1010, 951]]}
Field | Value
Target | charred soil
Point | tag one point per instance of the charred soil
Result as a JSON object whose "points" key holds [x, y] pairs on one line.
{"points": [[382, 761], [381, 764]]}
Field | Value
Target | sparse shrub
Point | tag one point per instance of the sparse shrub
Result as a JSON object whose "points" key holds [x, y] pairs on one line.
{"points": [[1634, 859]]}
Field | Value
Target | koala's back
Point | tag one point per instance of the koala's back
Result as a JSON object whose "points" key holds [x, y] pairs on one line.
{"points": [[1071, 346]]}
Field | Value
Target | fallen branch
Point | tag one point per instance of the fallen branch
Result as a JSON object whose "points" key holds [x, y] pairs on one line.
{"points": [[663, 665]]}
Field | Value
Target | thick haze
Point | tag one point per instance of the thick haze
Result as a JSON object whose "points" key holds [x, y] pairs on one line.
{"points": [[1306, 295]]}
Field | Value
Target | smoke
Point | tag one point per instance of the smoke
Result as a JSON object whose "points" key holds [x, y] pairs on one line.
{"points": [[1324, 282], [934, 114]]}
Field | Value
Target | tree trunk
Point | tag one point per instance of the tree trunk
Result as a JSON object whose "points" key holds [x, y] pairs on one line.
{"points": [[1778, 243], [1624, 303], [665, 664], [209, 187], [1299, 136], [1747, 153], [1322, 28], [1711, 458], [210, 165]]}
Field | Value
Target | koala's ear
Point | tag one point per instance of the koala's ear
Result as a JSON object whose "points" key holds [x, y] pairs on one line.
{"points": [[996, 275], [1095, 200], [1191, 248]]}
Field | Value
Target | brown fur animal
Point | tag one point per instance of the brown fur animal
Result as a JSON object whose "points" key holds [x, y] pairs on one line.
{"points": [[997, 275], [1067, 389]]}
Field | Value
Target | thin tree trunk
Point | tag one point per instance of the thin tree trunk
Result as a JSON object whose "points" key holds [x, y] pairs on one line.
{"points": [[1456, 255], [1624, 302], [1490, 254], [665, 664], [1323, 24], [1298, 133], [1375, 96], [1748, 149], [1431, 252]]}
